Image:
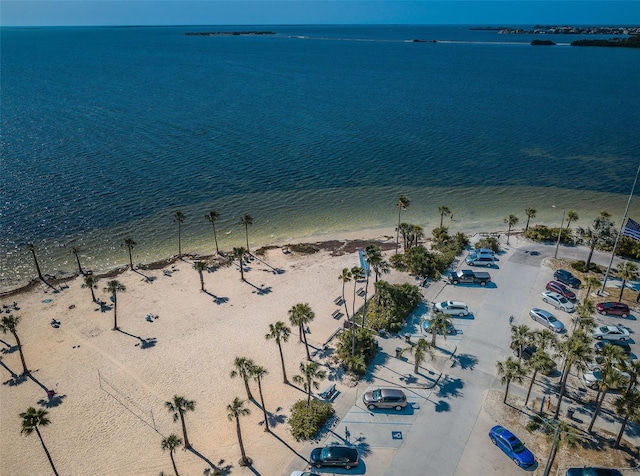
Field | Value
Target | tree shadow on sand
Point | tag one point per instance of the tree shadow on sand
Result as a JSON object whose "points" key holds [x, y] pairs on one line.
{"points": [[259, 290], [144, 343], [289, 447], [213, 469], [273, 270], [217, 299], [15, 379], [147, 279]]}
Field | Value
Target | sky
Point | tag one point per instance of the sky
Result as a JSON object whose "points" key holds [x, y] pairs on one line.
{"points": [[279, 12]]}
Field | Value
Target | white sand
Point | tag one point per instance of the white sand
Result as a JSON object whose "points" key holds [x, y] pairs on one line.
{"points": [[110, 431]]}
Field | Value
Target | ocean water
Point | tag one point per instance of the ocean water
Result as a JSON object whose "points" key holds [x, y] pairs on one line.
{"points": [[316, 130]]}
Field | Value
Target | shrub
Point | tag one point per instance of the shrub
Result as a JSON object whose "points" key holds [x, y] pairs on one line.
{"points": [[489, 242], [581, 266], [628, 248], [543, 233], [304, 248], [391, 305], [305, 421], [366, 349]]}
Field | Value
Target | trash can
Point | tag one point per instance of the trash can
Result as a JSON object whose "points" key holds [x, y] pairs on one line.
{"points": [[407, 337], [398, 352], [570, 412]]}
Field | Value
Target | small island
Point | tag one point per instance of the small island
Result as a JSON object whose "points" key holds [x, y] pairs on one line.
{"points": [[542, 43], [228, 33], [631, 42]]}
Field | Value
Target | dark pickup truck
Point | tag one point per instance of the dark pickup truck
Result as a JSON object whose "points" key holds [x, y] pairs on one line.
{"points": [[467, 276]]}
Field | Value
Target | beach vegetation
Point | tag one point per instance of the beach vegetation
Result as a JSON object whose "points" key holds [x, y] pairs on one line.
{"points": [[170, 443], [10, 324], [612, 378], [600, 235], [32, 420], [235, 410], [589, 282], [129, 243], [411, 235], [420, 351], [391, 305], [627, 406], [310, 376], [258, 373], [402, 204], [489, 242], [443, 211], [280, 333], [91, 282], [75, 250], [239, 253], [200, 266], [531, 213], [542, 362], [572, 216], [510, 221], [212, 217], [306, 420], [543, 233], [344, 278], [628, 248], [178, 406], [179, 217], [440, 324], [510, 370], [626, 271], [301, 315], [366, 348], [114, 287], [246, 220], [581, 266], [243, 368], [578, 353], [304, 248]]}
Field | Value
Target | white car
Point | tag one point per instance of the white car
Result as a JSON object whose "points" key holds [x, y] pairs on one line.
{"points": [[593, 377], [456, 308], [558, 301], [546, 319], [610, 333]]}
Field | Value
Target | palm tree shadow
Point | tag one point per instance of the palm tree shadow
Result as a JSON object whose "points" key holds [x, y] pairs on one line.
{"points": [[10, 349], [450, 387], [260, 291], [273, 270], [289, 447], [144, 343], [224, 470], [217, 299], [51, 402], [15, 378], [104, 307], [465, 361], [219, 471], [147, 279], [274, 418]]}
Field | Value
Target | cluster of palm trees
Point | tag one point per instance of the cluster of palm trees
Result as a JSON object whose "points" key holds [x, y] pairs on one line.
{"points": [[577, 354]]}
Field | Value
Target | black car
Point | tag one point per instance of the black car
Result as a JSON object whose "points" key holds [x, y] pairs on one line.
{"points": [[335, 455], [591, 471], [567, 278], [599, 346]]}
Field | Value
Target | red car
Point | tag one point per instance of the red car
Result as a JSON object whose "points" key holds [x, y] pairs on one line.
{"points": [[613, 308], [561, 289]]}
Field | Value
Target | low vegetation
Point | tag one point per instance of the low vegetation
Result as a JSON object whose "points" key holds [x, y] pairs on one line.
{"points": [[306, 420], [391, 305], [366, 349]]}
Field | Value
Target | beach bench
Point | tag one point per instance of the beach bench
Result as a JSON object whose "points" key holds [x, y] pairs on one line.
{"points": [[337, 314], [361, 292], [329, 393], [338, 300]]}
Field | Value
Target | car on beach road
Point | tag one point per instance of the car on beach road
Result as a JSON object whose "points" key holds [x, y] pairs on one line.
{"points": [[592, 471], [558, 301], [567, 278], [546, 319], [512, 446], [385, 398], [610, 333], [561, 289], [613, 308], [334, 455], [600, 345], [455, 308]]}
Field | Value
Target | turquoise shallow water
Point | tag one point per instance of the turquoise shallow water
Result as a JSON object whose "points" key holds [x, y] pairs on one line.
{"points": [[313, 131]]}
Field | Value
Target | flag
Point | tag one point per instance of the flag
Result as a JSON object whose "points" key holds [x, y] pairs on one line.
{"points": [[632, 230]]}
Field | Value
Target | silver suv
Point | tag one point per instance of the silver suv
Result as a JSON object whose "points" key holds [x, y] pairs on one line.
{"points": [[476, 259], [385, 398]]}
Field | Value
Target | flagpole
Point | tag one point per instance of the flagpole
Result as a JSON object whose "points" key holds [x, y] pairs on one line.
{"points": [[624, 219]]}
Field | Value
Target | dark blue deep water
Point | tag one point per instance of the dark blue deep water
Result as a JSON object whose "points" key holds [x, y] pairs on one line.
{"points": [[106, 132]]}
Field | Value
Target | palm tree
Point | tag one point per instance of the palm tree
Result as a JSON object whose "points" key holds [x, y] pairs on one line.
{"points": [[178, 407], [443, 211], [31, 247], [310, 373], [559, 434], [170, 443], [440, 324], [405, 231], [10, 324], [372, 255], [280, 333], [200, 266], [258, 372], [345, 277], [540, 361], [91, 282], [212, 216], [511, 221], [601, 233], [626, 271], [571, 217], [420, 350], [74, 251], [243, 368], [510, 370], [590, 281], [300, 315], [584, 315], [357, 273], [521, 337], [114, 287], [32, 419], [627, 406], [611, 378], [129, 243], [402, 204], [246, 220], [235, 410], [179, 217], [577, 352], [531, 213], [238, 253], [632, 367]]}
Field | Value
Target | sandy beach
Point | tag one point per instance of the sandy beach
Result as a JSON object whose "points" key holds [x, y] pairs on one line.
{"points": [[108, 416]]}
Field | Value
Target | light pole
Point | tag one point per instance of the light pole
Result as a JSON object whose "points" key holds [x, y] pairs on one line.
{"points": [[555, 255]]}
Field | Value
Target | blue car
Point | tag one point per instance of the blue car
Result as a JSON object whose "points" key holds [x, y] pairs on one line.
{"points": [[565, 277], [512, 446]]}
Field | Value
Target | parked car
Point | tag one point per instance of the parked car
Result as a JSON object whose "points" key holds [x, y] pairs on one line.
{"points": [[527, 353], [593, 377], [561, 289], [426, 325], [546, 319], [599, 346], [385, 398], [512, 446], [479, 260], [335, 455], [592, 471], [610, 333], [483, 252], [567, 278], [613, 308], [558, 301], [456, 308]]}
